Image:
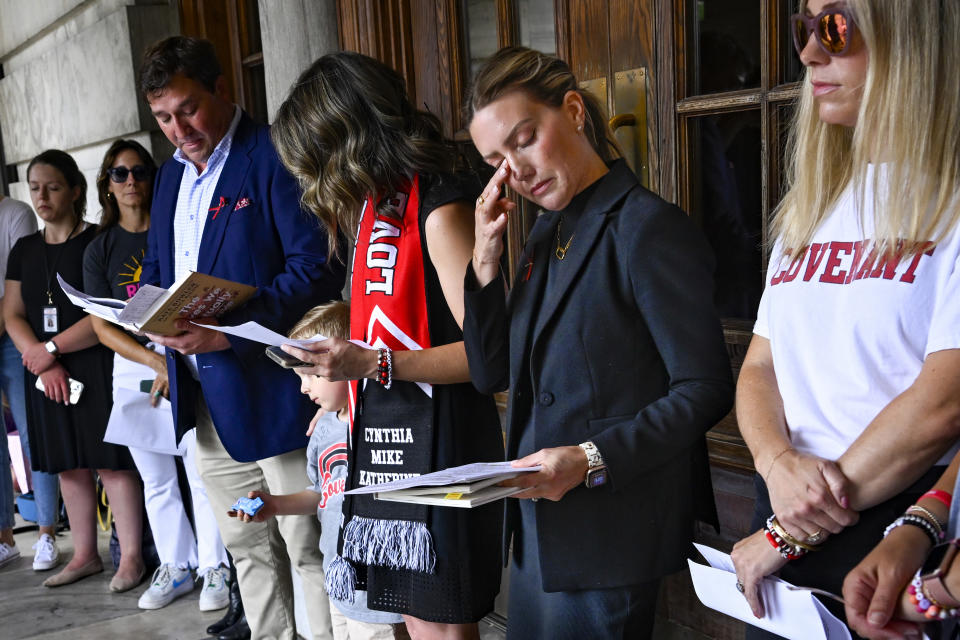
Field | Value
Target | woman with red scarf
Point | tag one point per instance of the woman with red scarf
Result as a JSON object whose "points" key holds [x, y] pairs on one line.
{"points": [[378, 171]]}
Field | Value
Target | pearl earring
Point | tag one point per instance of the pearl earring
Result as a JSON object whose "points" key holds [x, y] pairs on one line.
{"points": [[579, 128]]}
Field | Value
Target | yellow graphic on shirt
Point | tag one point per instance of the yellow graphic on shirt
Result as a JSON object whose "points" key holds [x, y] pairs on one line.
{"points": [[132, 284]]}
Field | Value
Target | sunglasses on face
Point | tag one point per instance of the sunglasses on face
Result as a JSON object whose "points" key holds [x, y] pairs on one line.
{"points": [[833, 29], [120, 174]]}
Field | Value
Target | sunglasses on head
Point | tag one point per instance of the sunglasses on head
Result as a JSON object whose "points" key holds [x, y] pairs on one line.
{"points": [[833, 27], [119, 174]]}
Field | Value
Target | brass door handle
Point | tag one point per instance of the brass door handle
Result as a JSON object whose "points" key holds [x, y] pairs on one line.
{"points": [[622, 120]]}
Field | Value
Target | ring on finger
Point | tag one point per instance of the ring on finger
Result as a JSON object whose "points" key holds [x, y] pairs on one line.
{"points": [[534, 499], [480, 200], [815, 537], [739, 586]]}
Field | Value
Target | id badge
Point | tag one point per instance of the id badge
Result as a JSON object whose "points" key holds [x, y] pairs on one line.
{"points": [[51, 319]]}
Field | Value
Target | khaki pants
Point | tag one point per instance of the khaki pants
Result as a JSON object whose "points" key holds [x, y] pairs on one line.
{"points": [[264, 551]]}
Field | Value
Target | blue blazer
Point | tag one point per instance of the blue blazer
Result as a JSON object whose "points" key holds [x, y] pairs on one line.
{"points": [[270, 243]]}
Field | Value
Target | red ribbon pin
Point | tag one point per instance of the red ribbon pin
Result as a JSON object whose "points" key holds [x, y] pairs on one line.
{"points": [[216, 209]]}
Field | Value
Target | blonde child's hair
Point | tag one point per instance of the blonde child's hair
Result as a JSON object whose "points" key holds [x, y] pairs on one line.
{"points": [[331, 319]]}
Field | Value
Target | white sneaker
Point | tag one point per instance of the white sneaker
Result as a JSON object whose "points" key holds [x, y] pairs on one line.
{"points": [[216, 588], [167, 584], [8, 553], [47, 554]]}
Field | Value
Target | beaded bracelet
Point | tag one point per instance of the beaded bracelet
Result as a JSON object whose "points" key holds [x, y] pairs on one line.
{"points": [[931, 609], [787, 551], [917, 521], [385, 367], [777, 528], [916, 509]]}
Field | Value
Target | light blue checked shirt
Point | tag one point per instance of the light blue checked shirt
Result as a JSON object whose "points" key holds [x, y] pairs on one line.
{"points": [[193, 205]]}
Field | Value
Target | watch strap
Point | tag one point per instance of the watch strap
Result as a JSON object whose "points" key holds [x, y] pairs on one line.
{"points": [[594, 459], [934, 586], [596, 467]]}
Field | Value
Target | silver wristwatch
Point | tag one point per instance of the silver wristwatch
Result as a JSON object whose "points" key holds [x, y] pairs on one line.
{"points": [[51, 348], [596, 468]]}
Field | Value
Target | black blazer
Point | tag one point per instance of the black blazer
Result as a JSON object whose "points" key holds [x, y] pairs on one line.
{"points": [[628, 353]]}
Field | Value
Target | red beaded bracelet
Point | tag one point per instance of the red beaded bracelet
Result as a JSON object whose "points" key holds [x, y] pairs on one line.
{"points": [[786, 551], [941, 496], [385, 367]]}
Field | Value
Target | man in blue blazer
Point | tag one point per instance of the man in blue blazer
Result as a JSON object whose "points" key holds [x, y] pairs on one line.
{"points": [[225, 205]]}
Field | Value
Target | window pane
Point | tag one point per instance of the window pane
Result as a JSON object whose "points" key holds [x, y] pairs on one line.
{"points": [[726, 198], [537, 25], [725, 47], [480, 18]]}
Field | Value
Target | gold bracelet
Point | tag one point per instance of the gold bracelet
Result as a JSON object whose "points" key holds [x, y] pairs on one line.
{"points": [[917, 510], [774, 461], [789, 539]]}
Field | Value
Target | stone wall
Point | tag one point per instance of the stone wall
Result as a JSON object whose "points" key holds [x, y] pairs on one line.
{"points": [[70, 80], [294, 34]]}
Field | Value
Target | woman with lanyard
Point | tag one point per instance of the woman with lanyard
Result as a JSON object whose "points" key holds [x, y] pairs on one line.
{"points": [[610, 347], [849, 396], [60, 350], [372, 165], [111, 267]]}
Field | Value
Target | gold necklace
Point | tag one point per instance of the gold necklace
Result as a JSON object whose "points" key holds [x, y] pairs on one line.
{"points": [[561, 252]]}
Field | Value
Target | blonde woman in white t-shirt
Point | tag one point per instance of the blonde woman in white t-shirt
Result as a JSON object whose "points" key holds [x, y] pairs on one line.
{"points": [[849, 396]]}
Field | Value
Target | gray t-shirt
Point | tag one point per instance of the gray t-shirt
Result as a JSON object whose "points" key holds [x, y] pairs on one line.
{"points": [[327, 470], [16, 220]]}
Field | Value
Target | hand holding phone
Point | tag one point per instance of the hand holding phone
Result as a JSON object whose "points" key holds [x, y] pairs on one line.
{"points": [[284, 359], [76, 388]]}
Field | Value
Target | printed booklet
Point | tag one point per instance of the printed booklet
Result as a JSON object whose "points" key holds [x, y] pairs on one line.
{"points": [[155, 310], [466, 486]]}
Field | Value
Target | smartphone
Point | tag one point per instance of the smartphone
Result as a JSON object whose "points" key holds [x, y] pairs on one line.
{"points": [[284, 359], [146, 386], [76, 388]]}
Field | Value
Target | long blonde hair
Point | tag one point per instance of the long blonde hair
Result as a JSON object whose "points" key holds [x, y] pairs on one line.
{"points": [[909, 118]]}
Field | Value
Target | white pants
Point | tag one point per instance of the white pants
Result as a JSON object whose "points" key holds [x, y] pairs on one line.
{"points": [[166, 513]]}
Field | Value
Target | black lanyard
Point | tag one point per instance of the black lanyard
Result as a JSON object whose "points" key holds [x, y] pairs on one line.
{"points": [[46, 269]]}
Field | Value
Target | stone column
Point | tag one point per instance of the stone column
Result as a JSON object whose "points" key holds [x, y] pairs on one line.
{"points": [[294, 34]]}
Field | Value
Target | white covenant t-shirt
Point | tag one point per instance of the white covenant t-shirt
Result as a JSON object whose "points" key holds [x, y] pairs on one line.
{"points": [[849, 331]]}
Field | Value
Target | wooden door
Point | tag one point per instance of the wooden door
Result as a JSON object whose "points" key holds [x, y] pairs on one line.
{"points": [[709, 85]]}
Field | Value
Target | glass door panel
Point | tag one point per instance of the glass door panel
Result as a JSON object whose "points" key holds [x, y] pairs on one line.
{"points": [[724, 48], [726, 198]]}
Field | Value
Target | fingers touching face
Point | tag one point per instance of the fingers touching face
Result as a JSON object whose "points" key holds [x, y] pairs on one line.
{"points": [[541, 145]]}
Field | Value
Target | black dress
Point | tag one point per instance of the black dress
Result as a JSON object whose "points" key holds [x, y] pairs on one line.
{"points": [[466, 578], [65, 437]]}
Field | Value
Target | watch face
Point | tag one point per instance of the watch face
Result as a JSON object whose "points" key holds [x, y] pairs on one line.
{"points": [[596, 478]]}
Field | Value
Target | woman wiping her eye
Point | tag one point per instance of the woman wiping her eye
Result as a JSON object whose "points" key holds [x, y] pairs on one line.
{"points": [[611, 349]]}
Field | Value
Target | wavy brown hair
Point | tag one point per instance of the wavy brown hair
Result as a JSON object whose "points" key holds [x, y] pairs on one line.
{"points": [[111, 214], [544, 78], [347, 131]]}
